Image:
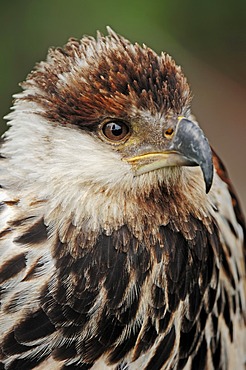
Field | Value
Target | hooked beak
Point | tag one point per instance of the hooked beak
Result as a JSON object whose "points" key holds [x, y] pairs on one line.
{"points": [[188, 147]]}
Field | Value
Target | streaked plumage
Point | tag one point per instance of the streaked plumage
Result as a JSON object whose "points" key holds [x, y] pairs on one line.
{"points": [[117, 251]]}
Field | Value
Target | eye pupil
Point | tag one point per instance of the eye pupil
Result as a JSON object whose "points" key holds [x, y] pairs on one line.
{"points": [[115, 131]]}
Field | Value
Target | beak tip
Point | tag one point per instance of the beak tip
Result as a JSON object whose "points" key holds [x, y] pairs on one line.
{"points": [[208, 187], [208, 174]]}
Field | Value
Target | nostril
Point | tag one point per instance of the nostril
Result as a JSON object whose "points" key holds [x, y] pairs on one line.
{"points": [[169, 133]]}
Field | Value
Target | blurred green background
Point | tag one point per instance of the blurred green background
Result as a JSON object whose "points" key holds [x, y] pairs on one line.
{"points": [[208, 38]]}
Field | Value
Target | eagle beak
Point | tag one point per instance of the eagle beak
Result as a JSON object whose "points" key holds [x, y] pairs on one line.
{"points": [[188, 147]]}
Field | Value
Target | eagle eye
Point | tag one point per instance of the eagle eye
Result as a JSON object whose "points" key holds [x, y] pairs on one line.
{"points": [[115, 130]]}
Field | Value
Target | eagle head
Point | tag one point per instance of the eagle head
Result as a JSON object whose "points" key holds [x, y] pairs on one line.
{"points": [[114, 112]]}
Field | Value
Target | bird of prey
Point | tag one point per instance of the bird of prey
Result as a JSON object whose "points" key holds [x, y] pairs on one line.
{"points": [[121, 239]]}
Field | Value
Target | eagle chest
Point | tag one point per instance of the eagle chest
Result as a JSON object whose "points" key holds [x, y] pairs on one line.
{"points": [[122, 293]]}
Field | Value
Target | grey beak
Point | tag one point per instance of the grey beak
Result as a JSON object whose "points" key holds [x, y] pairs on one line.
{"points": [[190, 141]]}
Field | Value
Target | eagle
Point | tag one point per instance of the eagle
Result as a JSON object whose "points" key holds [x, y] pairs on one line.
{"points": [[121, 237]]}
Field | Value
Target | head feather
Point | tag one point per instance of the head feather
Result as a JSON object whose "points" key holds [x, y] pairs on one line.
{"points": [[91, 79]]}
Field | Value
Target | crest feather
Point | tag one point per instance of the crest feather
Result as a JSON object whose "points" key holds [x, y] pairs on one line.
{"points": [[91, 79]]}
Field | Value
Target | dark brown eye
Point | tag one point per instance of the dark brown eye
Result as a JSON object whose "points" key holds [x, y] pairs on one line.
{"points": [[115, 131]]}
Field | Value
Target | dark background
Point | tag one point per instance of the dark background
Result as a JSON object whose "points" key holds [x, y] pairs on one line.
{"points": [[208, 38]]}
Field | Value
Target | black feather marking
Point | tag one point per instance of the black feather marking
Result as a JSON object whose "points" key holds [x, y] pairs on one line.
{"points": [[234, 303], [117, 280], [232, 228], [80, 366], [158, 297], [109, 329], [215, 322], [90, 349], [227, 315], [211, 298], [24, 364], [21, 221], [34, 327], [32, 272], [189, 261], [36, 234], [67, 351], [195, 299], [164, 322], [200, 359], [158, 313], [84, 289], [140, 262], [203, 319], [10, 346], [227, 269], [208, 269], [219, 304], [123, 348], [5, 232], [182, 362], [162, 352], [13, 305], [240, 304], [186, 325], [72, 317], [238, 273], [177, 248], [69, 331], [216, 354], [185, 284], [47, 303], [128, 312], [173, 301], [84, 302], [12, 267], [106, 249], [147, 340], [60, 314], [188, 341]]}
